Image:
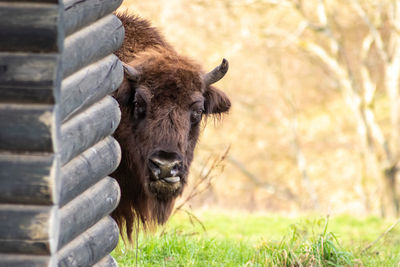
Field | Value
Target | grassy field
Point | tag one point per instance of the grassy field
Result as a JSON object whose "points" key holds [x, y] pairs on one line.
{"points": [[218, 239]]}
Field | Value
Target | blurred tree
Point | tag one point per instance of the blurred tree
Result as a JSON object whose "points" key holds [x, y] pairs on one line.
{"points": [[374, 67]]}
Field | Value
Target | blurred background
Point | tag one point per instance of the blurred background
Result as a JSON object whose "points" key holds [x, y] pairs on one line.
{"points": [[315, 121]]}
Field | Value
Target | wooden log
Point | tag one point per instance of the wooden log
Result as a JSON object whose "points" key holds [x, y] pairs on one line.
{"points": [[87, 209], [33, 1], [79, 14], [88, 168], [28, 179], [89, 127], [91, 246], [30, 27], [28, 77], [28, 128], [92, 43], [18, 260], [89, 85], [107, 261], [28, 229]]}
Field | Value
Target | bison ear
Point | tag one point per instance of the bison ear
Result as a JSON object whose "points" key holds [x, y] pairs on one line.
{"points": [[125, 92], [131, 73], [215, 101]]}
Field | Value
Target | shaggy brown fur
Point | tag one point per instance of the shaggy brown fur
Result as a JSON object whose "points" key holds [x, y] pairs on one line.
{"points": [[161, 110]]}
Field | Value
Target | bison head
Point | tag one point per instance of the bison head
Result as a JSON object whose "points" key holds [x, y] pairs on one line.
{"points": [[163, 99]]}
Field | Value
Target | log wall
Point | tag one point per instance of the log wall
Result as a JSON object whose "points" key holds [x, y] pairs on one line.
{"points": [[57, 71]]}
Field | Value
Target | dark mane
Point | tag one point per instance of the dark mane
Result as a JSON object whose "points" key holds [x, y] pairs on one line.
{"points": [[139, 36]]}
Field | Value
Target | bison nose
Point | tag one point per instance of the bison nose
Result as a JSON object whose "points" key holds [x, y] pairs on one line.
{"points": [[165, 165]]}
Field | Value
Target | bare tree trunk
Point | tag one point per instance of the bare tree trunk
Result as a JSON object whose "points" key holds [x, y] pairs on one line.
{"points": [[380, 154], [380, 158], [364, 181], [300, 158], [391, 194], [298, 152]]}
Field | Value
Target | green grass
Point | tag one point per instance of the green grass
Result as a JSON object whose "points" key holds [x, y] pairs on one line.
{"points": [[264, 240]]}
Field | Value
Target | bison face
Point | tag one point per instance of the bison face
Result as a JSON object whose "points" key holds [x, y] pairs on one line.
{"points": [[165, 126], [163, 99]]}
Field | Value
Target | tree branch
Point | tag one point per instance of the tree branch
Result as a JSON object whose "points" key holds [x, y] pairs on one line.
{"points": [[381, 236], [373, 30], [284, 193], [368, 84], [323, 55]]}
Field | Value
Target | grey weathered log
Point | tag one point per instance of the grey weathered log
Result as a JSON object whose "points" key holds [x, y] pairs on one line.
{"points": [[33, 1], [89, 85], [28, 128], [92, 43], [87, 209], [107, 261], [79, 14], [20, 260], [28, 229], [91, 246], [88, 168], [29, 27], [28, 179], [89, 127], [28, 77], [31, 145]]}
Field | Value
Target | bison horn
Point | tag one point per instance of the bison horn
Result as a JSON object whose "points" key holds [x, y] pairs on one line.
{"points": [[216, 74], [131, 72]]}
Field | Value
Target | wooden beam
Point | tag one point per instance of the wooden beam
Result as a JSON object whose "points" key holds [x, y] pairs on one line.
{"points": [[87, 209], [79, 14], [89, 85], [28, 229], [29, 27], [92, 43], [28, 179], [91, 246], [107, 261], [89, 127], [33, 1], [28, 77], [21, 260], [29, 128], [88, 168]]}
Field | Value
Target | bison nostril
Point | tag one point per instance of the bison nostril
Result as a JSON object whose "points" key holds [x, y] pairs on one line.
{"points": [[175, 170], [154, 168]]}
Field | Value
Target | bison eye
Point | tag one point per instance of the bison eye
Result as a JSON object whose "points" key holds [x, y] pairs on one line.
{"points": [[196, 115], [139, 111]]}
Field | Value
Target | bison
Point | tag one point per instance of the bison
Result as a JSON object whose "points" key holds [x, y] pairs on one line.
{"points": [[163, 98]]}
